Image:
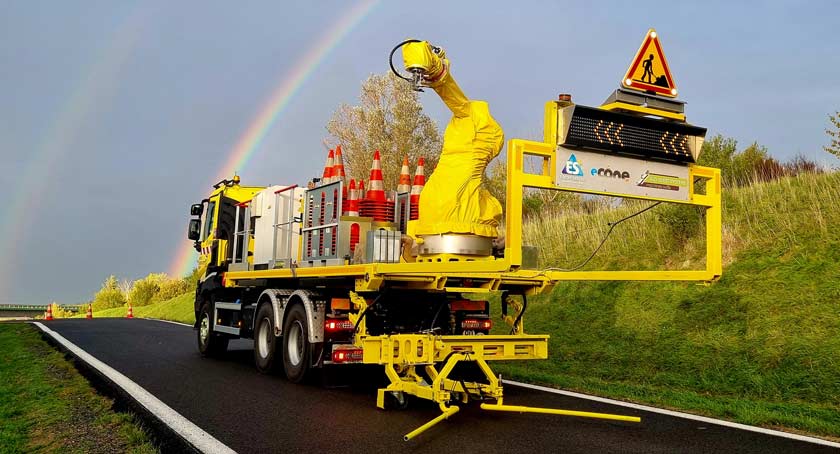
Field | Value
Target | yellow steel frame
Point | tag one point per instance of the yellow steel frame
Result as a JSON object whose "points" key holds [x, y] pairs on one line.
{"points": [[518, 179], [507, 272], [619, 106], [402, 355]]}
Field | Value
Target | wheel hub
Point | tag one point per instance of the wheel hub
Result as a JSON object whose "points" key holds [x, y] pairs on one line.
{"points": [[295, 343]]}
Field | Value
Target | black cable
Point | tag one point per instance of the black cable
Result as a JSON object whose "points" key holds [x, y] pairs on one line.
{"points": [[604, 240], [365, 311], [391, 57], [434, 320]]}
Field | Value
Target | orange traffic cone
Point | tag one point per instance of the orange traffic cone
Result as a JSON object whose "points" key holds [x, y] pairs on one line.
{"points": [[49, 315], [353, 200], [375, 204], [328, 168], [417, 188], [405, 178], [376, 189], [338, 166], [130, 313], [89, 313]]}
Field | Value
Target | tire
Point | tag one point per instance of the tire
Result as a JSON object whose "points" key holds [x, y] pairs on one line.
{"points": [[266, 354], [296, 347], [210, 344]]}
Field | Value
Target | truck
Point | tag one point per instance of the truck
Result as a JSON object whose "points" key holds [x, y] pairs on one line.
{"points": [[419, 287]]}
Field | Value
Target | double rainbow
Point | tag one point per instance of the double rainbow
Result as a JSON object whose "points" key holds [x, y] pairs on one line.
{"points": [[185, 258]]}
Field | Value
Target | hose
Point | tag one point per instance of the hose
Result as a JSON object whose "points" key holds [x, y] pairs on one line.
{"points": [[391, 58]]}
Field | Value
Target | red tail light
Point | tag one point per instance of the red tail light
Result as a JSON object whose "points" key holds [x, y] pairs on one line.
{"points": [[347, 355], [338, 324], [477, 323]]}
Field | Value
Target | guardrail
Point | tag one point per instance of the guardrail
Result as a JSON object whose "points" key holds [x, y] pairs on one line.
{"points": [[36, 307]]}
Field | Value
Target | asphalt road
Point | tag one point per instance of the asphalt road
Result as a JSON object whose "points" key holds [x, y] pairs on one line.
{"points": [[251, 412]]}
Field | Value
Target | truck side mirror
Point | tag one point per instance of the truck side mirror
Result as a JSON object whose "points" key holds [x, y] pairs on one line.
{"points": [[196, 209], [194, 231]]}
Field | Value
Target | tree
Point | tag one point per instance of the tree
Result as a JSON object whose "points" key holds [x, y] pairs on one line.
{"points": [[145, 289], [834, 134], [389, 118], [109, 295]]}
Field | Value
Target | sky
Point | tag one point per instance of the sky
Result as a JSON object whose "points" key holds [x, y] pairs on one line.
{"points": [[118, 115]]}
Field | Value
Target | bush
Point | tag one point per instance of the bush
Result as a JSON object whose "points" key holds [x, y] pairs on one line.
{"points": [[144, 290], [171, 288], [682, 221], [109, 295]]}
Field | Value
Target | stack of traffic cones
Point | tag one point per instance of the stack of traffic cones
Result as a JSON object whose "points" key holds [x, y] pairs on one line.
{"points": [[419, 182], [49, 314], [89, 313], [353, 200], [328, 168], [375, 205], [405, 178], [130, 313], [338, 167]]}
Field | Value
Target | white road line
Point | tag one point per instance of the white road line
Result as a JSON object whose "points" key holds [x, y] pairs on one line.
{"points": [[181, 425], [166, 321], [677, 414]]}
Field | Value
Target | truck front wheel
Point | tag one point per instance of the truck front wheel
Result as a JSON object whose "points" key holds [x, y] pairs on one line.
{"points": [[209, 343], [296, 347], [265, 342]]}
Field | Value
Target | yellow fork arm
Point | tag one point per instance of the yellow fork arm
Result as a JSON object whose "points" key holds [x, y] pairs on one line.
{"points": [[552, 411]]}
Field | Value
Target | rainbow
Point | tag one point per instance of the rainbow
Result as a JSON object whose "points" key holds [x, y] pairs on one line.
{"points": [[185, 258], [95, 88]]}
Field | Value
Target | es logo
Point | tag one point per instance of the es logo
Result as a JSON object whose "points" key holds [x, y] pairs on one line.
{"points": [[573, 167], [609, 173]]}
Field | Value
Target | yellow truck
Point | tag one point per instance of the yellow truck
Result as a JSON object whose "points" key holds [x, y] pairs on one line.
{"points": [[316, 288]]}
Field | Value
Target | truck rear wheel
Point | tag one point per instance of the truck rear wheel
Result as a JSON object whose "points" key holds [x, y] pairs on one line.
{"points": [[265, 342], [209, 343], [296, 347]]}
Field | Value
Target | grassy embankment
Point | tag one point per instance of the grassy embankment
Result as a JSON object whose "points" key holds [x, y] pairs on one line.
{"points": [[761, 346], [46, 406], [179, 309]]}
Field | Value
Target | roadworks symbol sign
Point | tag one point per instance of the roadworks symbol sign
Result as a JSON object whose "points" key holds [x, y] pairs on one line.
{"points": [[649, 70]]}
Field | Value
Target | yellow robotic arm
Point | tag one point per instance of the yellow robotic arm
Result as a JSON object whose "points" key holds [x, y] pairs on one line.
{"points": [[454, 200]]}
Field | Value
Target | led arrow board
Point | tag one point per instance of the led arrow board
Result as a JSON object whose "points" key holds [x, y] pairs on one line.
{"points": [[613, 132]]}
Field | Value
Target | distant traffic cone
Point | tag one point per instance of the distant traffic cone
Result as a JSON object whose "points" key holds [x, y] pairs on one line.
{"points": [[338, 166], [130, 313], [417, 188], [89, 313], [353, 200], [328, 168], [405, 178], [49, 314]]}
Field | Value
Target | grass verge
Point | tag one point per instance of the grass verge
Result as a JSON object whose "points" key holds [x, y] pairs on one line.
{"points": [[177, 309], [47, 407]]}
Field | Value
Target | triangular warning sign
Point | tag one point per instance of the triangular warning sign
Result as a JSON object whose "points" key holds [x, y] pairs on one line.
{"points": [[649, 70]]}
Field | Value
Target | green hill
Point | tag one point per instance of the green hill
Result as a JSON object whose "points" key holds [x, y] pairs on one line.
{"points": [[761, 346]]}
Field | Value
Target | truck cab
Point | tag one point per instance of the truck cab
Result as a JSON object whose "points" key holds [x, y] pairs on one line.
{"points": [[212, 229]]}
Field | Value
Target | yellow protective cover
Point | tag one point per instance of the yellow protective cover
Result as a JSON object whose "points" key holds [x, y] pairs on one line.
{"points": [[453, 200]]}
